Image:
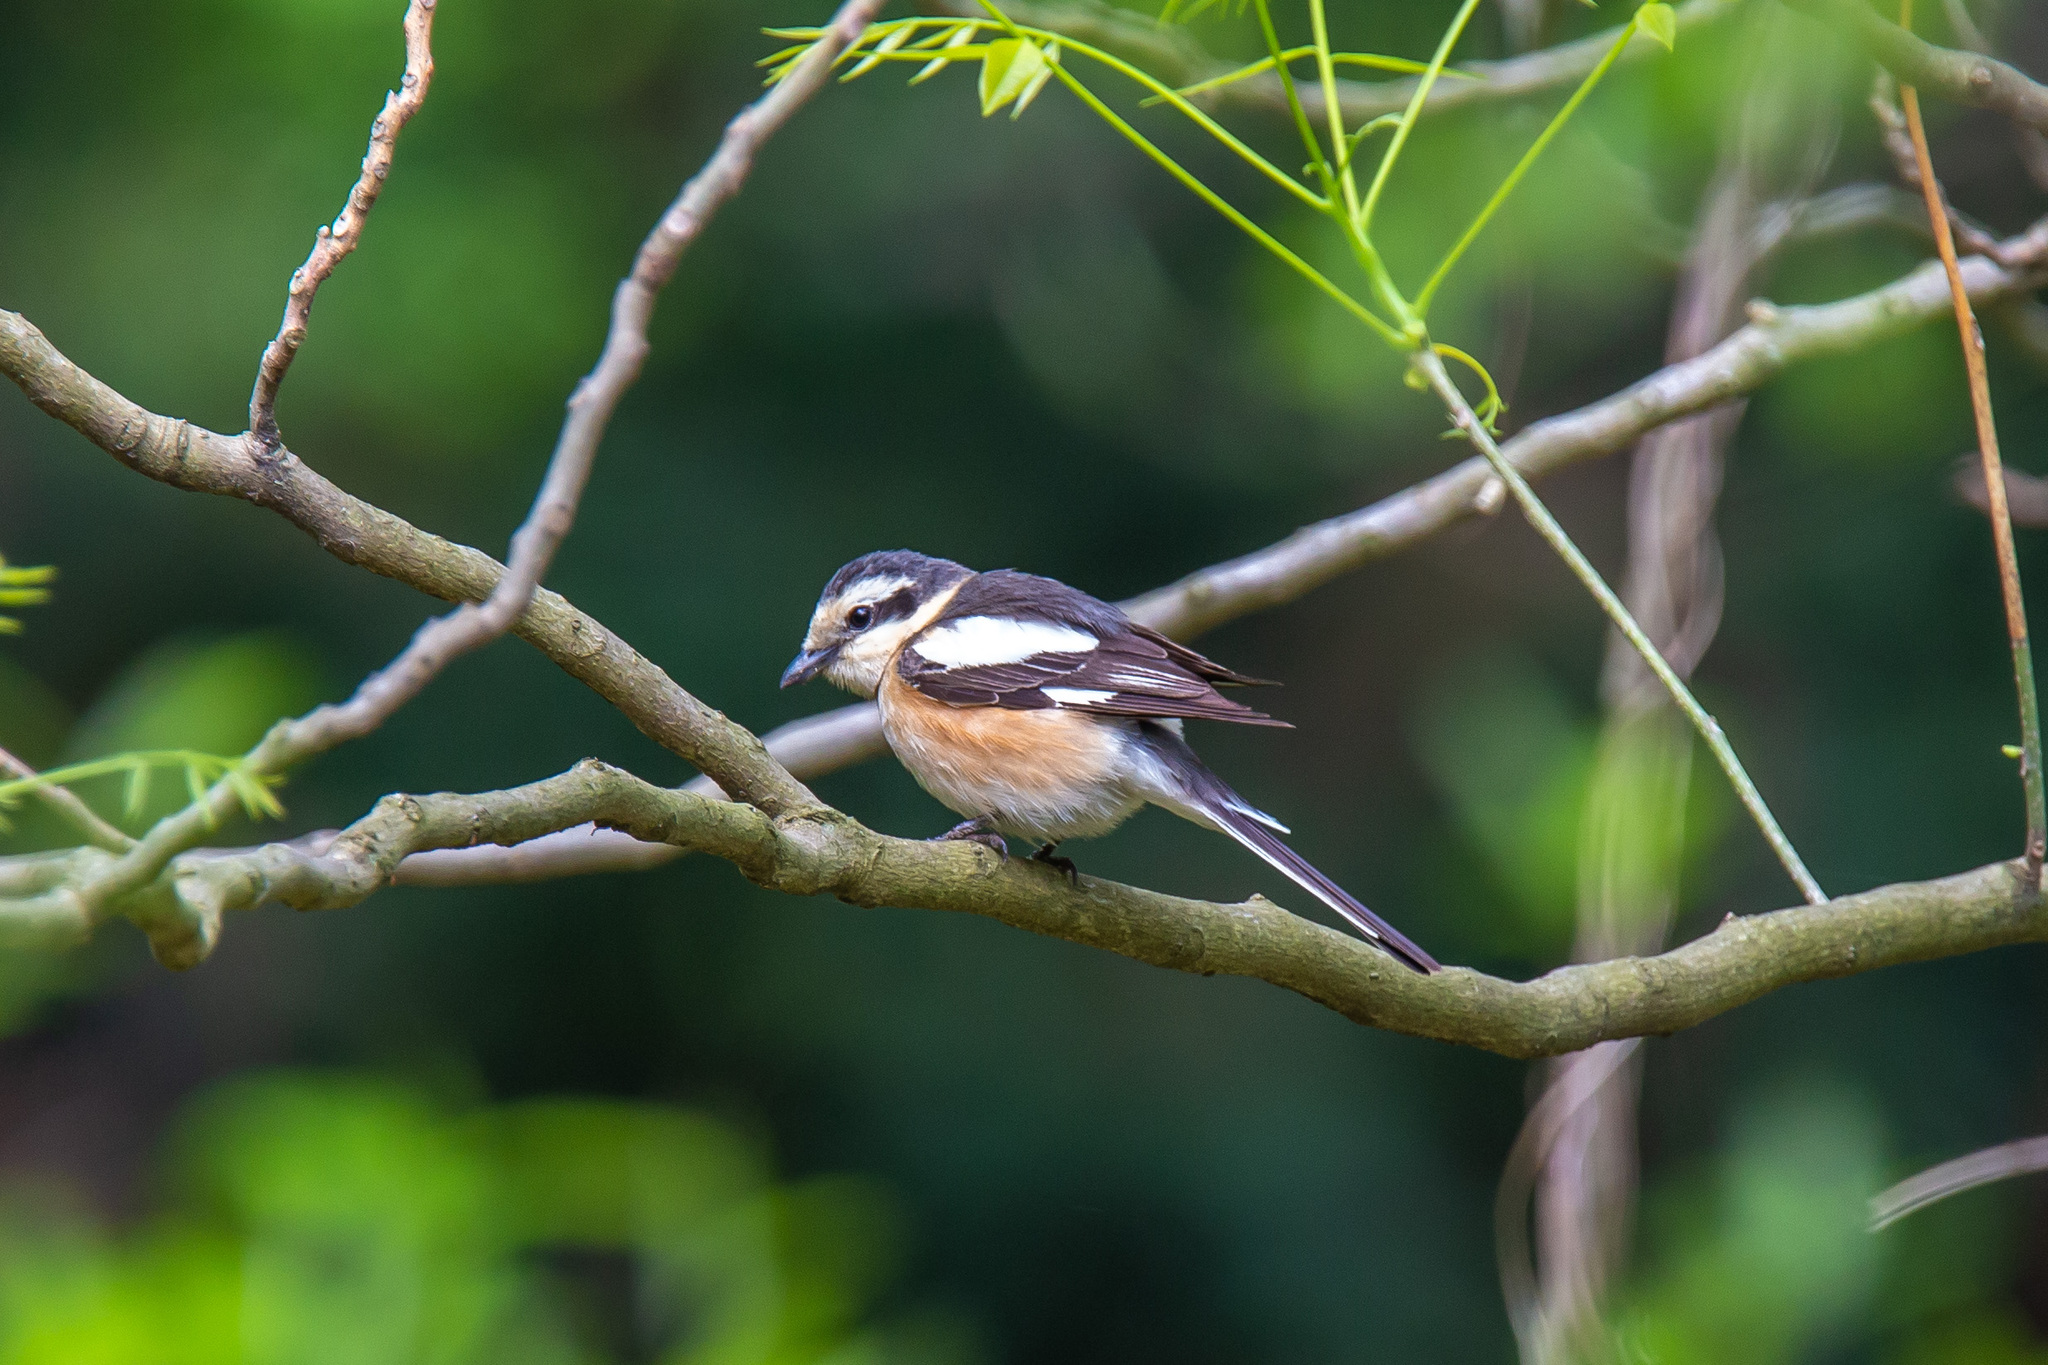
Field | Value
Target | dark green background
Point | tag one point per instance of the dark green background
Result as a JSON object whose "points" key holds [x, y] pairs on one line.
{"points": [[1014, 344]]}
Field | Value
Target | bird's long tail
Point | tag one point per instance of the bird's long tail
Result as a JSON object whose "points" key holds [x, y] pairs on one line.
{"points": [[1206, 799]]}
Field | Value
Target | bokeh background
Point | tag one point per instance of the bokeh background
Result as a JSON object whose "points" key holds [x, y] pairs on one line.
{"points": [[672, 1117]]}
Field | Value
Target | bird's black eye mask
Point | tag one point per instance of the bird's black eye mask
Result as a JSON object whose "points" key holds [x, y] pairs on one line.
{"points": [[895, 607]]}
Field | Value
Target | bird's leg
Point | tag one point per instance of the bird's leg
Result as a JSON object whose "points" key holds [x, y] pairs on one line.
{"points": [[976, 831], [1050, 859]]}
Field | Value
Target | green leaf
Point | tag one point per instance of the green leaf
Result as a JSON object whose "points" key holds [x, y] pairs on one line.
{"points": [[881, 50], [1010, 65], [135, 795], [953, 50], [1660, 21], [1052, 59]]}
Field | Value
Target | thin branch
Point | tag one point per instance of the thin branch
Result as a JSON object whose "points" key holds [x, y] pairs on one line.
{"points": [[822, 851], [1963, 77], [2035, 782], [66, 803], [1898, 141], [336, 240], [2030, 143], [2026, 495], [2025, 1156], [1432, 368]]}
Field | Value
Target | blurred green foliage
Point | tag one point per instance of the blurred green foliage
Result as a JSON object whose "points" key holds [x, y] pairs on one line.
{"points": [[315, 1218]]}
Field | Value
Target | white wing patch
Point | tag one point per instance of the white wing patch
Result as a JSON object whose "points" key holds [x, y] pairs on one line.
{"points": [[1077, 696], [974, 641]]}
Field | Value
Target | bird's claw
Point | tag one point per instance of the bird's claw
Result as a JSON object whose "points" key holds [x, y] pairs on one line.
{"points": [[974, 832], [1050, 859]]}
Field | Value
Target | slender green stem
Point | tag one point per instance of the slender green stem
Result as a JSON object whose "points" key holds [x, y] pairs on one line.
{"points": [[1408, 115], [1165, 93], [1370, 60], [1301, 123], [1326, 70], [1514, 177], [1432, 367], [1214, 200]]}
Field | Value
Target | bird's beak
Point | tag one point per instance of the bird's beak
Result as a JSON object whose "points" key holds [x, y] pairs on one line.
{"points": [[808, 665]]}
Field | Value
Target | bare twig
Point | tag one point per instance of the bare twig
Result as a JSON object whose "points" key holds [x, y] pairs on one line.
{"points": [[1964, 77], [2026, 495], [2031, 776], [1898, 141], [336, 240], [2029, 142], [2026, 1156], [66, 803]]}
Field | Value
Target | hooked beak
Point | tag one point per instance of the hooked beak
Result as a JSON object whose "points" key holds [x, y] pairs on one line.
{"points": [[808, 665]]}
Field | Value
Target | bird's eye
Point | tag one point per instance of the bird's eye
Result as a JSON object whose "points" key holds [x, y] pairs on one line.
{"points": [[860, 618]]}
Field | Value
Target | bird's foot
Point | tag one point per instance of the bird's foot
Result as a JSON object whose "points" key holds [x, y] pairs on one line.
{"points": [[1050, 859], [975, 832]]}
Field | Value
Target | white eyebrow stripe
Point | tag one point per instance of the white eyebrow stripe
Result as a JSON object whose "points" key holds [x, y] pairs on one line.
{"points": [[977, 641], [874, 589], [1077, 696]]}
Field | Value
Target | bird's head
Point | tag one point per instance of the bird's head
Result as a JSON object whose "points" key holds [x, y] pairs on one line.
{"points": [[867, 611]]}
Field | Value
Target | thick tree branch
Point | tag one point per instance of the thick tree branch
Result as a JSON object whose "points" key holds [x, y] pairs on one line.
{"points": [[1964, 77], [823, 851]]}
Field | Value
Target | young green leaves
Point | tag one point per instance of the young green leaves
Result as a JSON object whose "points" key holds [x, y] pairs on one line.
{"points": [[1660, 21], [1015, 69], [200, 771], [22, 587]]}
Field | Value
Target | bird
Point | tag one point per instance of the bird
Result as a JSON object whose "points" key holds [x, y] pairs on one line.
{"points": [[1042, 713]]}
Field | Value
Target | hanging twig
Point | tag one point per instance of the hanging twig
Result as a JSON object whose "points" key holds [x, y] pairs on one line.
{"points": [[1431, 367]]}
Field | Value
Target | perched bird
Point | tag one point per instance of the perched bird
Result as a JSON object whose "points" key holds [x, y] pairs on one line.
{"points": [[1042, 713]]}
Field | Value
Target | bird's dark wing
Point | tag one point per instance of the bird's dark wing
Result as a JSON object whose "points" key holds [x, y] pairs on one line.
{"points": [[1032, 644]]}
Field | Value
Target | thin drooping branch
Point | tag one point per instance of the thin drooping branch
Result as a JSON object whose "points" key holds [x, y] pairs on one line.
{"points": [[825, 852], [1964, 77], [1898, 141], [67, 803], [336, 240], [2034, 781], [1432, 368], [1171, 53], [2025, 1156]]}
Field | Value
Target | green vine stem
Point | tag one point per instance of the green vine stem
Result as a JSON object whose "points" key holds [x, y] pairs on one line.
{"points": [[1431, 366], [1514, 177]]}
